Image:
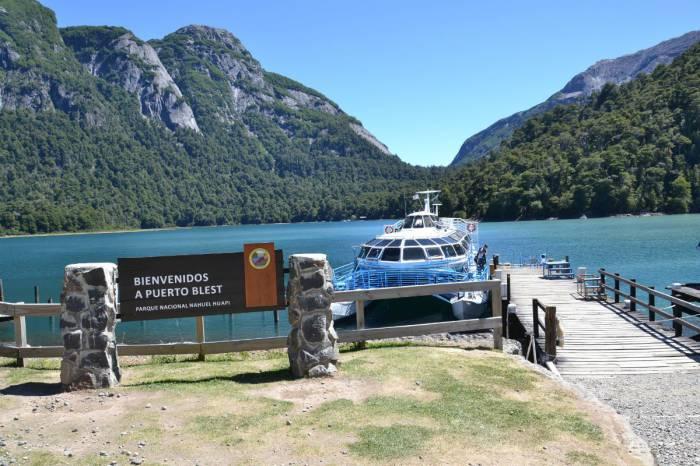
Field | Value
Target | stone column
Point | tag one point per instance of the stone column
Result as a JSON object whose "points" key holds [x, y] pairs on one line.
{"points": [[88, 318], [312, 341]]}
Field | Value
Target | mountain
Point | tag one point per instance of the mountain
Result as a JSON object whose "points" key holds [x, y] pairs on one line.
{"points": [[100, 129], [629, 148], [580, 87]]}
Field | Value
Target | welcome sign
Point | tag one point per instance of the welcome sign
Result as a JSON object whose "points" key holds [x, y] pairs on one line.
{"points": [[204, 284]]}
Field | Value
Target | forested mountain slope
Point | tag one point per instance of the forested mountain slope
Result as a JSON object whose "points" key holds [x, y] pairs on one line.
{"points": [[578, 89], [99, 129], [631, 148]]}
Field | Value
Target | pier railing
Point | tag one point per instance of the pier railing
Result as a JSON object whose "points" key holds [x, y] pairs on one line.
{"points": [[678, 305], [550, 327], [18, 312]]}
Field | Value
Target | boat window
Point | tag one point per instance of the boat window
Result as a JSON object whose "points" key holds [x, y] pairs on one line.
{"points": [[391, 254], [428, 222], [373, 253], [460, 249], [465, 244], [434, 252], [441, 241], [418, 222], [413, 254], [410, 242], [363, 252], [408, 222], [373, 242], [396, 243], [383, 242], [425, 242], [449, 251]]}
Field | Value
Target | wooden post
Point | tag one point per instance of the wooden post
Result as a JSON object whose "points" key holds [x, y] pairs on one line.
{"points": [[550, 331], [652, 302], [496, 261], [492, 270], [508, 288], [276, 316], [200, 336], [617, 288], [633, 294], [360, 320], [36, 294], [535, 320], [20, 336], [497, 311], [602, 291], [2, 291], [677, 314]]}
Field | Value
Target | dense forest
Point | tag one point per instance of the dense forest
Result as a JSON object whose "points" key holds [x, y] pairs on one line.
{"points": [[629, 149], [90, 136]]}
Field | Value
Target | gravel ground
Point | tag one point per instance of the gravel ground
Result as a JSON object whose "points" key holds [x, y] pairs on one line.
{"points": [[663, 409]]}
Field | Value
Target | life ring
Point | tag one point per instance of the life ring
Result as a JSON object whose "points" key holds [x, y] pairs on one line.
{"points": [[388, 229], [471, 227]]}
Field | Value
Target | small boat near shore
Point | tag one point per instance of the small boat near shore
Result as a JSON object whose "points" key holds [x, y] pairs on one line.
{"points": [[421, 249]]}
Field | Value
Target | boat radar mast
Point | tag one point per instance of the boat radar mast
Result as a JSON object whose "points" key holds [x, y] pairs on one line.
{"points": [[426, 200]]}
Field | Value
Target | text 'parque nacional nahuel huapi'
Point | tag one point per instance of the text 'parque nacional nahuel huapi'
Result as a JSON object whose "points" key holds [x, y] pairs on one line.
{"points": [[204, 284]]}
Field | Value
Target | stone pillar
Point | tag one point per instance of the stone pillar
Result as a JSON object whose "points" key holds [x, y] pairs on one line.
{"points": [[312, 341], [88, 318]]}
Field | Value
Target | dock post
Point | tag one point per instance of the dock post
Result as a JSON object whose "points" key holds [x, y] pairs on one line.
{"points": [[550, 331], [677, 314], [602, 290], [200, 337], [633, 295], [36, 294], [535, 320], [276, 315], [617, 288], [652, 302], [2, 291], [508, 288]]}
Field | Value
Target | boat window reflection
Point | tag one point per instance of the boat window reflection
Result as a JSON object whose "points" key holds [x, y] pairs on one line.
{"points": [[413, 254], [391, 254]]}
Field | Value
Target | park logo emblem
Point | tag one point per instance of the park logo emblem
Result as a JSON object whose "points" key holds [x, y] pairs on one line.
{"points": [[259, 258]]}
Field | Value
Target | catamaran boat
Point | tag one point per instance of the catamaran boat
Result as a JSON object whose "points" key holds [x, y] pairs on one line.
{"points": [[421, 249]]}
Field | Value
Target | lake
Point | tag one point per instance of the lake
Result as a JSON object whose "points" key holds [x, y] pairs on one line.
{"points": [[655, 250]]}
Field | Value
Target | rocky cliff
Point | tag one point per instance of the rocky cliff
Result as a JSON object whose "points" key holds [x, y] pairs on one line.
{"points": [[615, 71]]}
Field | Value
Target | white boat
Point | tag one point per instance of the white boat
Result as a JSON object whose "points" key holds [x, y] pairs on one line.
{"points": [[422, 248]]}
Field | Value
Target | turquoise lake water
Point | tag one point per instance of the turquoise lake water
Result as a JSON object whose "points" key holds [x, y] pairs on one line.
{"points": [[654, 250]]}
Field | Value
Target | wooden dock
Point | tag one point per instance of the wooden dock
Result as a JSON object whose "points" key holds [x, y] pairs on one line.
{"points": [[600, 338]]}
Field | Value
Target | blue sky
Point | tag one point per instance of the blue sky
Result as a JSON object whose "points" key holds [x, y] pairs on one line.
{"points": [[422, 76]]}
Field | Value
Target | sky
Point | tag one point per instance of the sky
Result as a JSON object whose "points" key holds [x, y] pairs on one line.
{"points": [[421, 76]]}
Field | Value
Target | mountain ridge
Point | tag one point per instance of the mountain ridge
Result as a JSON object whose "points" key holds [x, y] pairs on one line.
{"points": [[100, 129], [616, 70]]}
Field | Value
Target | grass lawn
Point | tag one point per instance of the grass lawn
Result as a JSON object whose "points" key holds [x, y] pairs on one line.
{"points": [[388, 405]]}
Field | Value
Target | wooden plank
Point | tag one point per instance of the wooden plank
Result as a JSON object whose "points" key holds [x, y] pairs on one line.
{"points": [[41, 352], [359, 314], [254, 344], [411, 291], [7, 351], [34, 310], [350, 336]]}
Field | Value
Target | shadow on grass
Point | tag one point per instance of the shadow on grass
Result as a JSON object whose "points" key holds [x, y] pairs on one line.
{"points": [[33, 389], [277, 375]]}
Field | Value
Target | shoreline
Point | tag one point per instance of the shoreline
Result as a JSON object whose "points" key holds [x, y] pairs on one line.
{"points": [[145, 230]]}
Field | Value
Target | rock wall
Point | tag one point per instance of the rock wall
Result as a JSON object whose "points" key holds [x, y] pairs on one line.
{"points": [[312, 341], [88, 318]]}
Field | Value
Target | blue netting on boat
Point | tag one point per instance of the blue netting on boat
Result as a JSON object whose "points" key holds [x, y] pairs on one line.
{"points": [[348, 277]]}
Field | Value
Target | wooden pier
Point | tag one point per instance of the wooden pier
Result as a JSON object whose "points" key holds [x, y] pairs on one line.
{"points": [[601, 338]]}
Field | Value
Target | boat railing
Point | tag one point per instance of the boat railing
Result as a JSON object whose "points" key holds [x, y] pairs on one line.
{"points": [[347, 277], [456, 223], [391, 228]]}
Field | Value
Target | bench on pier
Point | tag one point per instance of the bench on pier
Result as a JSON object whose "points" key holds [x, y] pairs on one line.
{"points": [[557, 269]]}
